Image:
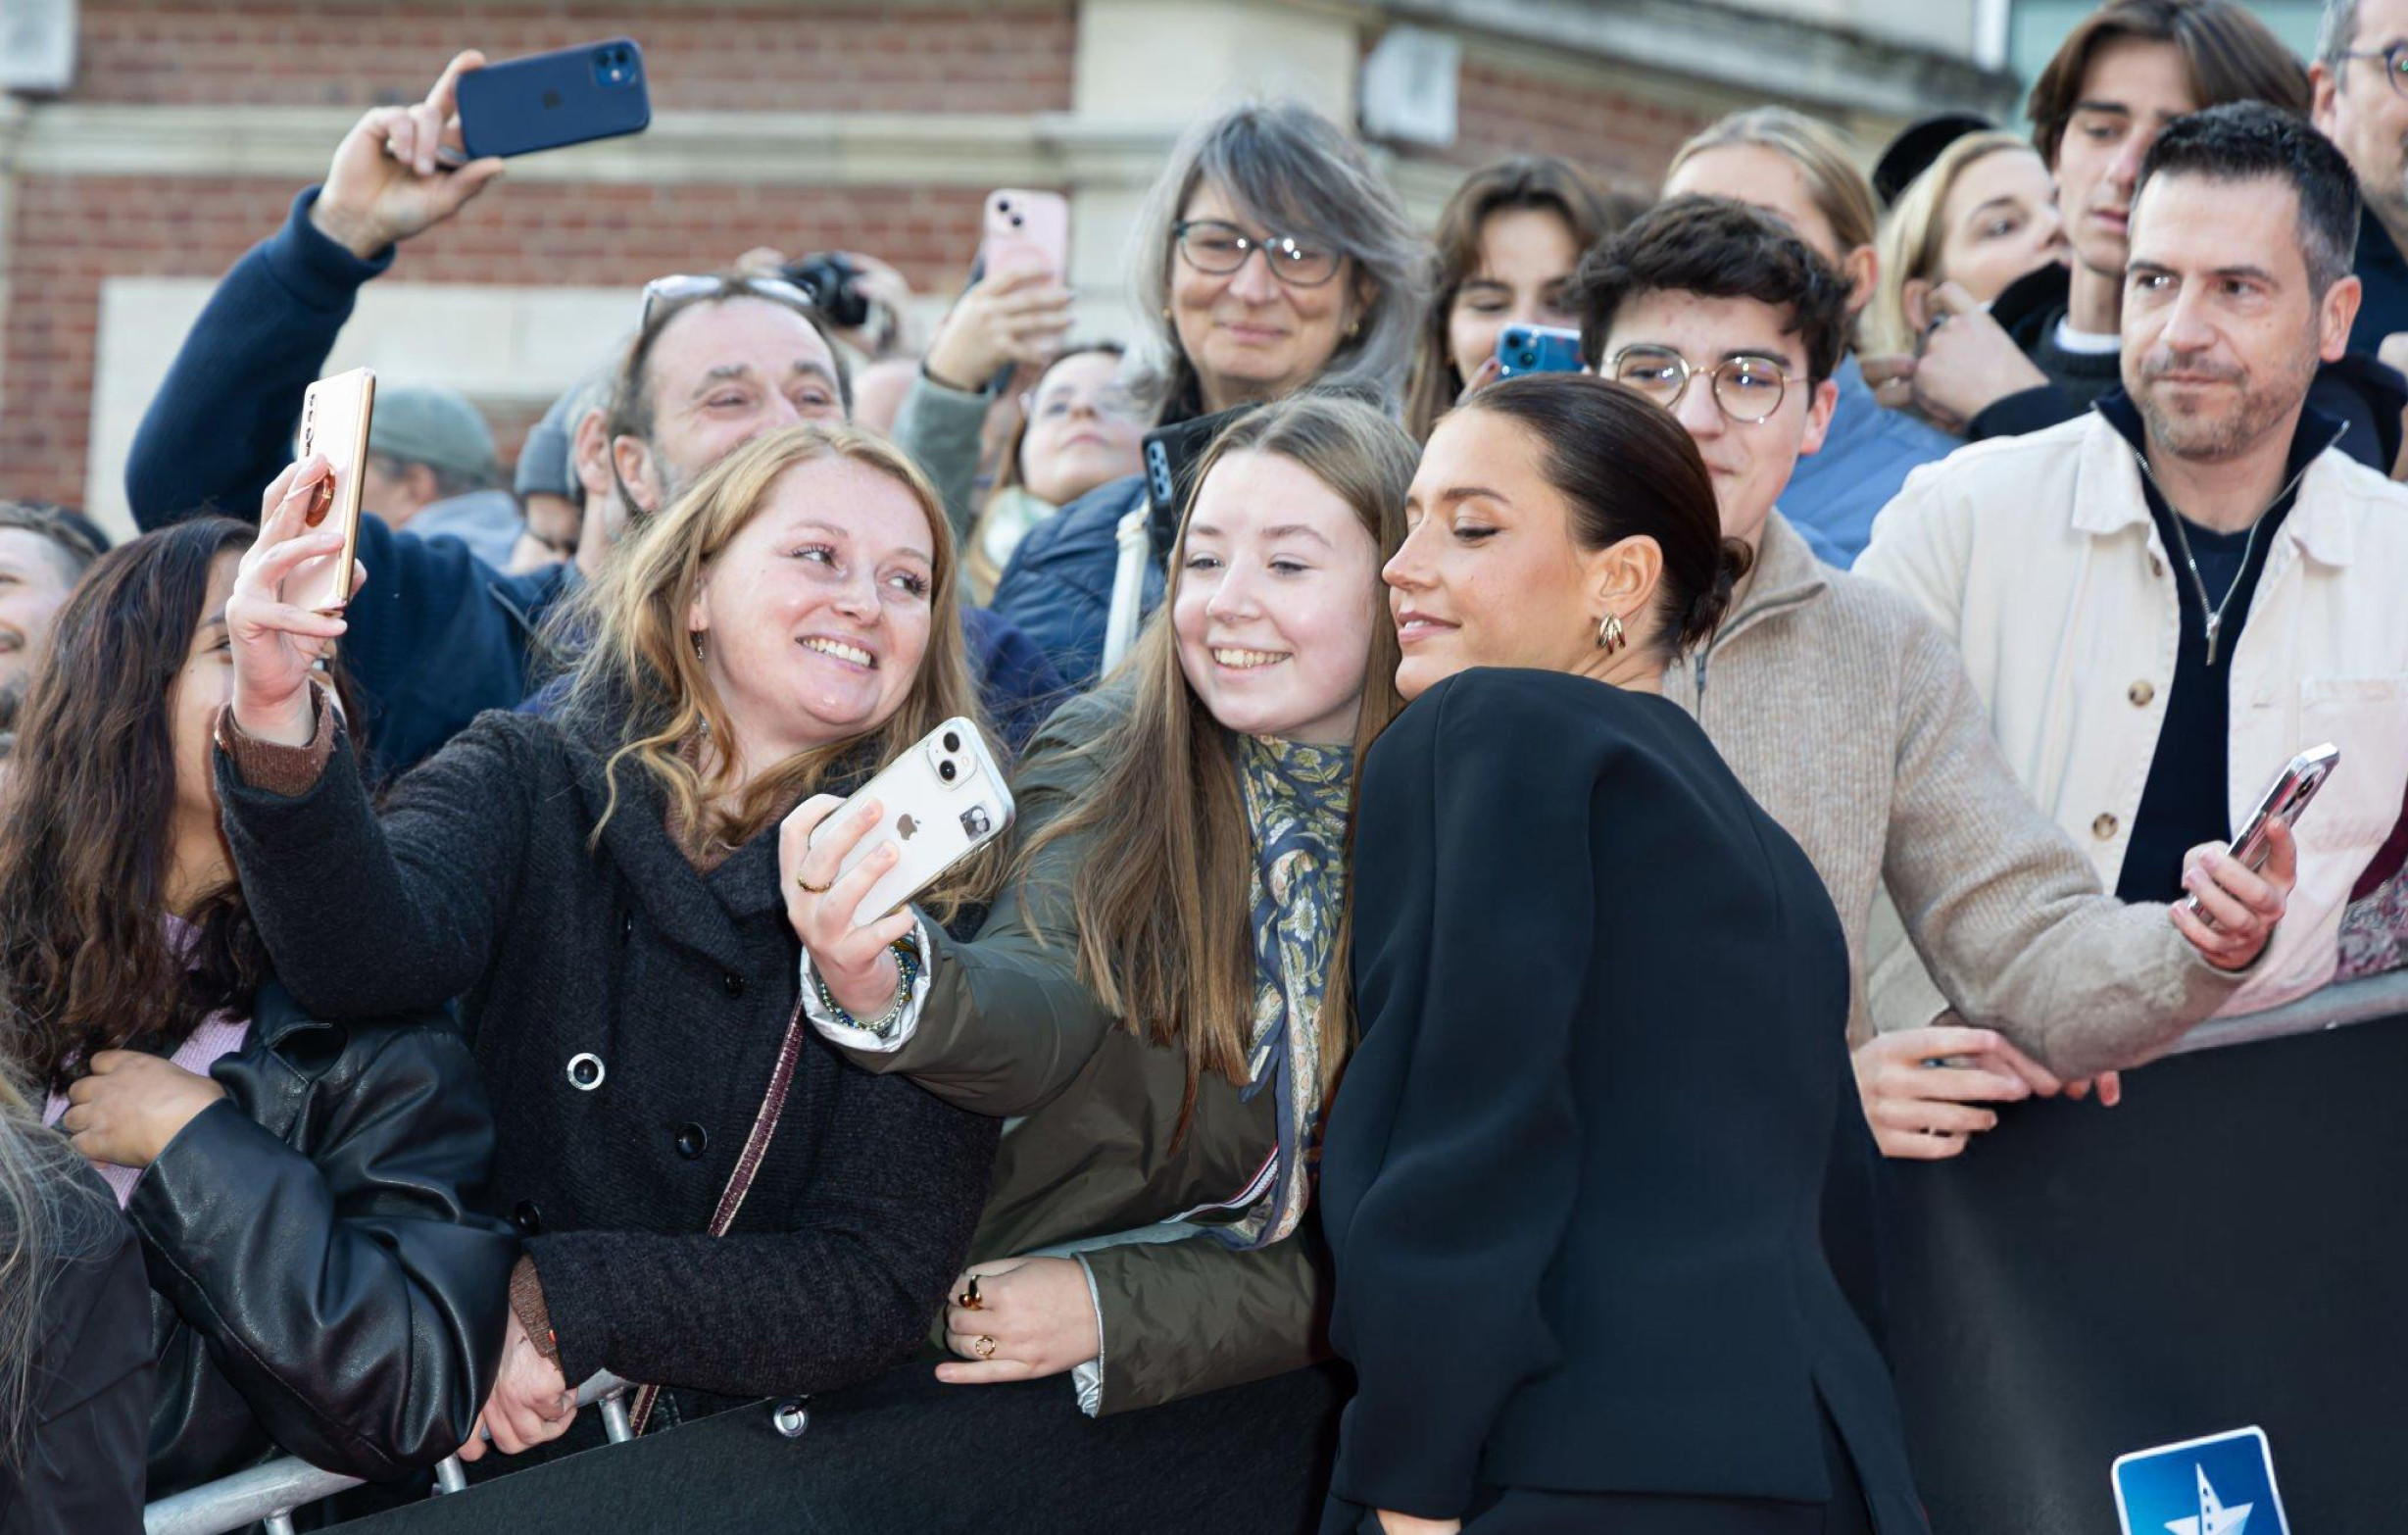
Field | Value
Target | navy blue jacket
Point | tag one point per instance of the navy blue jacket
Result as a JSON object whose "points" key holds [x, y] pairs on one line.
{"points": [[437, 635], [1058, 587], [2385, 274]]}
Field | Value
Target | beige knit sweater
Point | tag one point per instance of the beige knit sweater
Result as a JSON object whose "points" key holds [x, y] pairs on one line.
{"points": [[1849, 718]]}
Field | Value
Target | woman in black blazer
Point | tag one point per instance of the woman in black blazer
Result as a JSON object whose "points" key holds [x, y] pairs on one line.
{"points": [[1574, 1177]]}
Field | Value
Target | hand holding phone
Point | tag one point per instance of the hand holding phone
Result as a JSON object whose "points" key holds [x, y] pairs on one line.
{"points": [[390, 178], [851, 865], [277, 645], [2230, 919]]}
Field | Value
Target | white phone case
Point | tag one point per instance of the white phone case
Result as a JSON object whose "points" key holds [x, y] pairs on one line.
{"points": [[936, 815]]}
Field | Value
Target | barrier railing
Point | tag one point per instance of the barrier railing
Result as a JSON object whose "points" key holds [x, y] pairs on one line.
{"points": [[271, 1493], [268, 1494]]}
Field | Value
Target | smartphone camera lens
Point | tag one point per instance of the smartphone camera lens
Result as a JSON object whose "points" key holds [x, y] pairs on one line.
{"points": [[952, 742], [1530, 359], [948, 772]]}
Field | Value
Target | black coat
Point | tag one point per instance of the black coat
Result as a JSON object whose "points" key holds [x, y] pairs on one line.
{"points": [[1574, 1177], [324, 1280], [88, 1387], [478, 882]]}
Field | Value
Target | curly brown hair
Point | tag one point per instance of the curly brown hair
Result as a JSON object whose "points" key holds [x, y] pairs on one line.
{"points": [[86, 961]]}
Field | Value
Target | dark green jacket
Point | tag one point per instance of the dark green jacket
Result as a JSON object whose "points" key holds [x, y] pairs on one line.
{"points": [[1009, 1030]]}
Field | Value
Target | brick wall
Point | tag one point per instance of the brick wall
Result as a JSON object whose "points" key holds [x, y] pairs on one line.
{"points": [[725, 58], [1626, 139], [67, 236], [69, 233]]}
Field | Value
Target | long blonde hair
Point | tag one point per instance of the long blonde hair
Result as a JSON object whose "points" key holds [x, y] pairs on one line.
{"points": [[1915, 231], [1160, 898], [640, 680]]}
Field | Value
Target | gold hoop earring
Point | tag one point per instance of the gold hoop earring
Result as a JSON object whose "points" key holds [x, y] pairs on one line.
{"points": [[1609, 636]]}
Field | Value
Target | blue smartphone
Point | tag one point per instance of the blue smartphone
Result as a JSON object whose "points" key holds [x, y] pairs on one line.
{"points": [[1537, 349], [548, 100]]}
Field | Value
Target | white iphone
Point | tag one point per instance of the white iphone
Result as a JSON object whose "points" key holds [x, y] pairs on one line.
{"points": [[940, 802]]}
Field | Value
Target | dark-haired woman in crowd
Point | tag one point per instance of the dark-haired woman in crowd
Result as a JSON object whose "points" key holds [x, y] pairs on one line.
{"points": [[1507, 242], [1573, 1183], [306, 1190], [603, 891], [1157, 1001], [1272, 256]]}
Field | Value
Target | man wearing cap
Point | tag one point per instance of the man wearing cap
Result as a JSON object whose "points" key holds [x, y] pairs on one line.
{"points": [[431, 470]]}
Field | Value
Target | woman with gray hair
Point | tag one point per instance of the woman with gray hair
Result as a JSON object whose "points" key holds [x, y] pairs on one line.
{"points": [[1333, 302]]}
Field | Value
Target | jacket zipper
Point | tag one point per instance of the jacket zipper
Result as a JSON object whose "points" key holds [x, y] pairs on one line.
{"points": [[1746, 619]]}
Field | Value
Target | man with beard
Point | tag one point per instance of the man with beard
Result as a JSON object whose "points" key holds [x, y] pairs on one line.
{"points": [[2163, 601], [2048, 346], [44, 551]]}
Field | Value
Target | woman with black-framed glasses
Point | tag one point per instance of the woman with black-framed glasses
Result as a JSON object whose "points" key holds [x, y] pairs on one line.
{"points": [[1272, 257]]}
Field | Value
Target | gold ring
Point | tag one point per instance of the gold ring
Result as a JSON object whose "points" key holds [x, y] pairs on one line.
{"points": [[969, 1299], [810, 888], [983, 1346]]}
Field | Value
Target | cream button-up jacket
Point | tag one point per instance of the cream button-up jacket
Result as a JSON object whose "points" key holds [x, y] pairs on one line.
{"points": [[2038, 555]]}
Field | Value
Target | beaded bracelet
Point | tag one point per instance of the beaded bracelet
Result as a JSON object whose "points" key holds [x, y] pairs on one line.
{"points": [[908, 965]]}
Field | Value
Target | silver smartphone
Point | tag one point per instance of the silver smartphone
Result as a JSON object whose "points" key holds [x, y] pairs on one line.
{"points": [[940, 802], [2288, 797]]}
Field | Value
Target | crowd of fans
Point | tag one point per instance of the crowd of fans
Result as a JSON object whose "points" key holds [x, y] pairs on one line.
{"points": [[1469, 823]]}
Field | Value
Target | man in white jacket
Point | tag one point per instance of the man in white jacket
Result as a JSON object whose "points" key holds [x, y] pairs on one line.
{"points": [[2162, 601]]}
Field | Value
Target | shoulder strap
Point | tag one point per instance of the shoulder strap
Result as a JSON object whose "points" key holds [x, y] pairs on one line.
{"points": [[748, 1164]]}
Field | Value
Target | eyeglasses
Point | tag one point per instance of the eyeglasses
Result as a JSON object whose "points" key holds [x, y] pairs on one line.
{"points": [[2394, 63], [1055, 404], [678, 288], [1212, 246], [1748, 389]]}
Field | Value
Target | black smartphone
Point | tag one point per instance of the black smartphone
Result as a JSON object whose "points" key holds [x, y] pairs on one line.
{"points": [[548, 100], [1171, 454]]}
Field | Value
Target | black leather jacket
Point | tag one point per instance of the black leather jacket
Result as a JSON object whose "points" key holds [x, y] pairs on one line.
{"points": [[324, 1281]]}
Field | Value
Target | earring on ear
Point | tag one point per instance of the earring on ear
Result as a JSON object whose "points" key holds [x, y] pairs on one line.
{"points": [[1166, 313], [1609, 637], [1354, 328], [697, 638]]}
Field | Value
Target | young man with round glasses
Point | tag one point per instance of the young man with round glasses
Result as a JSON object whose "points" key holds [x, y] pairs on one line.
{"points": [[1849, 718]]}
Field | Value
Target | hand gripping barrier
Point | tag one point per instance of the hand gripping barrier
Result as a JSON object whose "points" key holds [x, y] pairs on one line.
{"points": [[268, 1494]]}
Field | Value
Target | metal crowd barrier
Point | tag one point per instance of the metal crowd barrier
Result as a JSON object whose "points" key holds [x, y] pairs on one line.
{"points": [[268, 1494]]}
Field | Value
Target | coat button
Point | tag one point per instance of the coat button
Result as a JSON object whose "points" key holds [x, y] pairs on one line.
{"points": [[2157, 566], [732, 984], [2140, 693], [2104, 828], [526, 1218], [692, 1141]]}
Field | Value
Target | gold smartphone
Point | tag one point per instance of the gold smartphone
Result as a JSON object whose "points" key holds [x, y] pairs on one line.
{"points": [[334, 417]]}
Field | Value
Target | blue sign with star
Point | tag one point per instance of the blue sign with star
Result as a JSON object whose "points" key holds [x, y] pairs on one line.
{"points": [[2220, 1485]]}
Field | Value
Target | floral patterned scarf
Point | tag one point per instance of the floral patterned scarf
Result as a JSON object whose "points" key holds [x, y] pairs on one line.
{"points": [[1296, 800]]}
